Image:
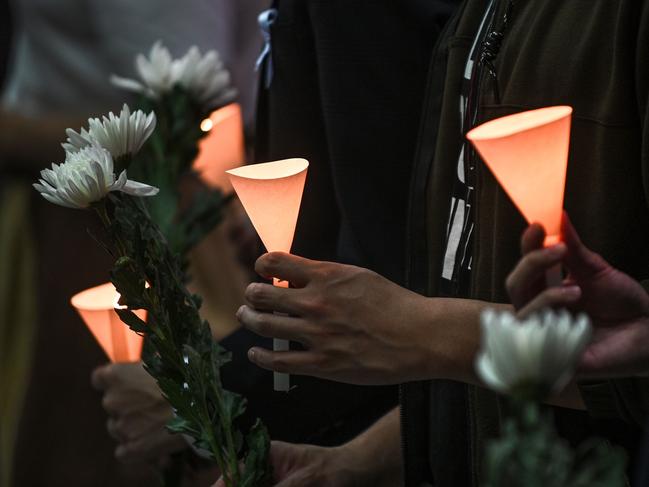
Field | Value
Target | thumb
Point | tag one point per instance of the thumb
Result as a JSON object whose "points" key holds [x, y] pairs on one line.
{"points": [[532, 238], [102, 377], [582, 262]]}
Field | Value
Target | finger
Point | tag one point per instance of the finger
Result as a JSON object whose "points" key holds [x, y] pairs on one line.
{"points": [[143, 422], [126, 429], [532, 238], [287, 267], [116, 404], [530, 270], [555, 297], [219, 483], [283, 458], [580, 260], [291, 362], [616, 351], [274, 326], [102, 377], [149, 447], [600, 364], [114, 431], [119, 403], [300, 478], [273, 298]]}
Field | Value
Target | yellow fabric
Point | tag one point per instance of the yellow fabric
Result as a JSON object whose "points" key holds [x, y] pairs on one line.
{"points": [[17, 315]]}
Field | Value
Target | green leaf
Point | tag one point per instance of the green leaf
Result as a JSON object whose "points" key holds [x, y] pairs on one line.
{"points": [[180, 425], [529, 453], [129, 284], [132, 320], [257, 469]]}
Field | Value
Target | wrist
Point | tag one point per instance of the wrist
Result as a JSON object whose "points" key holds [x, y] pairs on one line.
{"points": [[374, 457], [425, 327], [450, 338], [356, 464]]}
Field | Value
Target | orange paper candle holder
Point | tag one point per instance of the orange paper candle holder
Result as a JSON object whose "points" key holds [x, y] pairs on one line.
{"points": [[222, 148], [96, 306], [528, 154], [271, 194]]}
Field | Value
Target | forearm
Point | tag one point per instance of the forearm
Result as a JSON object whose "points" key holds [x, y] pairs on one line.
{"points": [[455, 341], [450, 337], [377, 452], [18, 133]]}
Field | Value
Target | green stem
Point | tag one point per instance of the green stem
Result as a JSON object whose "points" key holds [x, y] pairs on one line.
{"points": [[208, 409], [232, 458], [214, 445], [102, 211]]}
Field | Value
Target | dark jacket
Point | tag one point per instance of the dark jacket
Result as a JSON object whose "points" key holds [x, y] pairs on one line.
{"points": [[593, 56]]}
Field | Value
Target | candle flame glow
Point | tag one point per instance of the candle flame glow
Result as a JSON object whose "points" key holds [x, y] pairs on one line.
{"points": [[206, 125]]}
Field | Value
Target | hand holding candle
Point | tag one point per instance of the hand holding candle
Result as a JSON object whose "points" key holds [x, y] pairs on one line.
{"points": [[617, 304], [355, 325], [271, 193]]}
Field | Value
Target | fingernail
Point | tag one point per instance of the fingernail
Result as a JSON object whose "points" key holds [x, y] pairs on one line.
{"points": [[239, 312], [251, 354], [556, 250], [572, 291], [120, 451]]}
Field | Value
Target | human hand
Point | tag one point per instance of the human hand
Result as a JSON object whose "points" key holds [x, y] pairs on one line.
{"points": [[312, 466], [356, 326], [137, 413], [617, 305]]}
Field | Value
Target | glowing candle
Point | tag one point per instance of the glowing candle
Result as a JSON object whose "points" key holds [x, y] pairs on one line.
{"points": [[271, 194], [528, 154], [96, 306], [222, 148]]}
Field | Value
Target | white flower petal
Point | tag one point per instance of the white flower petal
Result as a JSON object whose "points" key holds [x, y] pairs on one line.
{"points": [[485, 369], [540, 351], [86, 177], [139, 189], [61, 202], [76, 140], [120, 135], [127, 84], [120, 182], [203, 76]]}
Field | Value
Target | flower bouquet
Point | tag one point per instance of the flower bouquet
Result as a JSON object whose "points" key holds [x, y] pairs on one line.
{"points": [[126, 168]]}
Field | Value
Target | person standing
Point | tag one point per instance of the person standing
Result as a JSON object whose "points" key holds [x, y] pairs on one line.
{"points": [[63, 54], [494, 58]]}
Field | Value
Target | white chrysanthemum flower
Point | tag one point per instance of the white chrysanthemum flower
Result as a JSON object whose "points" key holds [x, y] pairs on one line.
{"points": [[203, 76], [85, 177], [155, 72], [537, 354], [120, 135]]}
